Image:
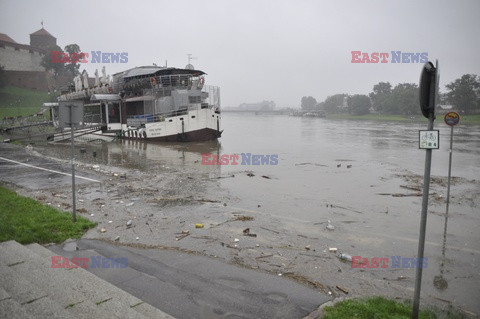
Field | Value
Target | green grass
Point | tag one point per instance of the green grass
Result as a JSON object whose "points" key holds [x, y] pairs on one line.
{"points": [[28, 221], [16, 101], [373, 307], [469, 119]]}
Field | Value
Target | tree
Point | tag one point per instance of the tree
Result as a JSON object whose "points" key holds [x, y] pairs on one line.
{"points": [[405, 99], [53, 61], [359, 104], [308, 103], [73, 51], [381, 97], [335, 103], [3, 76], [464, 93]]}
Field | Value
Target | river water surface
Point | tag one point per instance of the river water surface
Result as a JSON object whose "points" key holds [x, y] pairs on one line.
{"points": [[365, 177]]}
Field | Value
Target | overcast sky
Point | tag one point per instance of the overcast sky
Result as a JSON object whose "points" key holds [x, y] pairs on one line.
{"points": [[264, 50]]}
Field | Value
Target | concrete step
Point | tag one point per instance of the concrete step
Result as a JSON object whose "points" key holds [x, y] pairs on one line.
{"points": [[76, 290], [32, 299], [143, 308], [10, 308]]}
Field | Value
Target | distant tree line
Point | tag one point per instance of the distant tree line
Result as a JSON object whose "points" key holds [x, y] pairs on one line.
{"points": [[463, 94]]}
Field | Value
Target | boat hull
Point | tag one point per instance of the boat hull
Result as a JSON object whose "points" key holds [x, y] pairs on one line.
{"points": [[205, 134]]}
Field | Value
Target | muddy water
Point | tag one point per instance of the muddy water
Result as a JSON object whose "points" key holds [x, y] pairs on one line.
{"points": [[365, 177]]}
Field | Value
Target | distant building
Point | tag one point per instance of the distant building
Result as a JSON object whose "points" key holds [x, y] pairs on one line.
{"points": [[261, 106], [20, 57], [23, 61]]}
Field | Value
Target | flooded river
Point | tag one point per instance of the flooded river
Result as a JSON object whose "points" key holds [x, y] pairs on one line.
{"points": [[364, 177]]}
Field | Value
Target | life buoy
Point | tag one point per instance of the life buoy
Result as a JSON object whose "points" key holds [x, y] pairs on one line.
{"points": [[153, 81]]}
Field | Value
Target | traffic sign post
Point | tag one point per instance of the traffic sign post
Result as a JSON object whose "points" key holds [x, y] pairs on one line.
{"points": [[70, 114], [428, 92], [451, 119]]}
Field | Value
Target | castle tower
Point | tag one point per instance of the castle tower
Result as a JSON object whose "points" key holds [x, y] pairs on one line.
{"points": [[42, 39]]}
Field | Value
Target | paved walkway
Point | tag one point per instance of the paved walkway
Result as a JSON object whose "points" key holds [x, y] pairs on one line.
{"points": [[192, 286]]}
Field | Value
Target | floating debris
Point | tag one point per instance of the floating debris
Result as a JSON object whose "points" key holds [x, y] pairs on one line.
{"points": [[117, 238], [236, 240], [250, 174], [243, 218], [129, 204], [246, 232], [332, 250], [348, 166], [198, 225], [129, 223], [267, 177], [103, 229], [345, 257], [330, 226], [339, 165], [342, 289]]}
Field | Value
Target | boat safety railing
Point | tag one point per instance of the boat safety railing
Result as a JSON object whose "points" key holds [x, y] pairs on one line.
{"points": [[164, 83]]}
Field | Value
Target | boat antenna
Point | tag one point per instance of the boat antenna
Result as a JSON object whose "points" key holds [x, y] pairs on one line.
{"points": [[189, 65]]}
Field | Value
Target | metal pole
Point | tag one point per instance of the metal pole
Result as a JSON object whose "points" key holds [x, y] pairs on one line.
{"points": [[448, 192], [426, 191], [73, 166]]}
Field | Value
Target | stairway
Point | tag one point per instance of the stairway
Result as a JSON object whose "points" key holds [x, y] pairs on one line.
{"points": [[31, 288]]}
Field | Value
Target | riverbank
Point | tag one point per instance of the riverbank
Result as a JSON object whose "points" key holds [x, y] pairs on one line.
{"points": [[465, 119]]}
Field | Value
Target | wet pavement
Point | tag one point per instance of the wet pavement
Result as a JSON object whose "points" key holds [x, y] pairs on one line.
{"points": [[192, 286], [363, 177]]}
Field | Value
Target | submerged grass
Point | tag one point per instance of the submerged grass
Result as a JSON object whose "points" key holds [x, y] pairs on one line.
{"points": [[27, 221]]}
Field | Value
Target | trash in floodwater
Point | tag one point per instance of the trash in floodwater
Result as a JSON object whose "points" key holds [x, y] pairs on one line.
{"points": [[236, 240], [129, 223], [342, 289], [103, 229], [246, 232], [198, 225], [348, 166], [110, 221], [440, 283], [265, 176], [332, 250], [137, 238], [250, 174], [117, 238], [243, 218], [129, 204], [92, 215], [308, 247], [345, 257], [339, 165], [330, 226]]}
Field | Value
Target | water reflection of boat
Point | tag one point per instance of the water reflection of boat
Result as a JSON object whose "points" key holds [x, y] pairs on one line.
{"points": [[143, 155], [154, 103]]}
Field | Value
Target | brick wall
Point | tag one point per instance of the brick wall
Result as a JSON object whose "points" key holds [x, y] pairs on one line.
{"points": [[17, 58]]}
